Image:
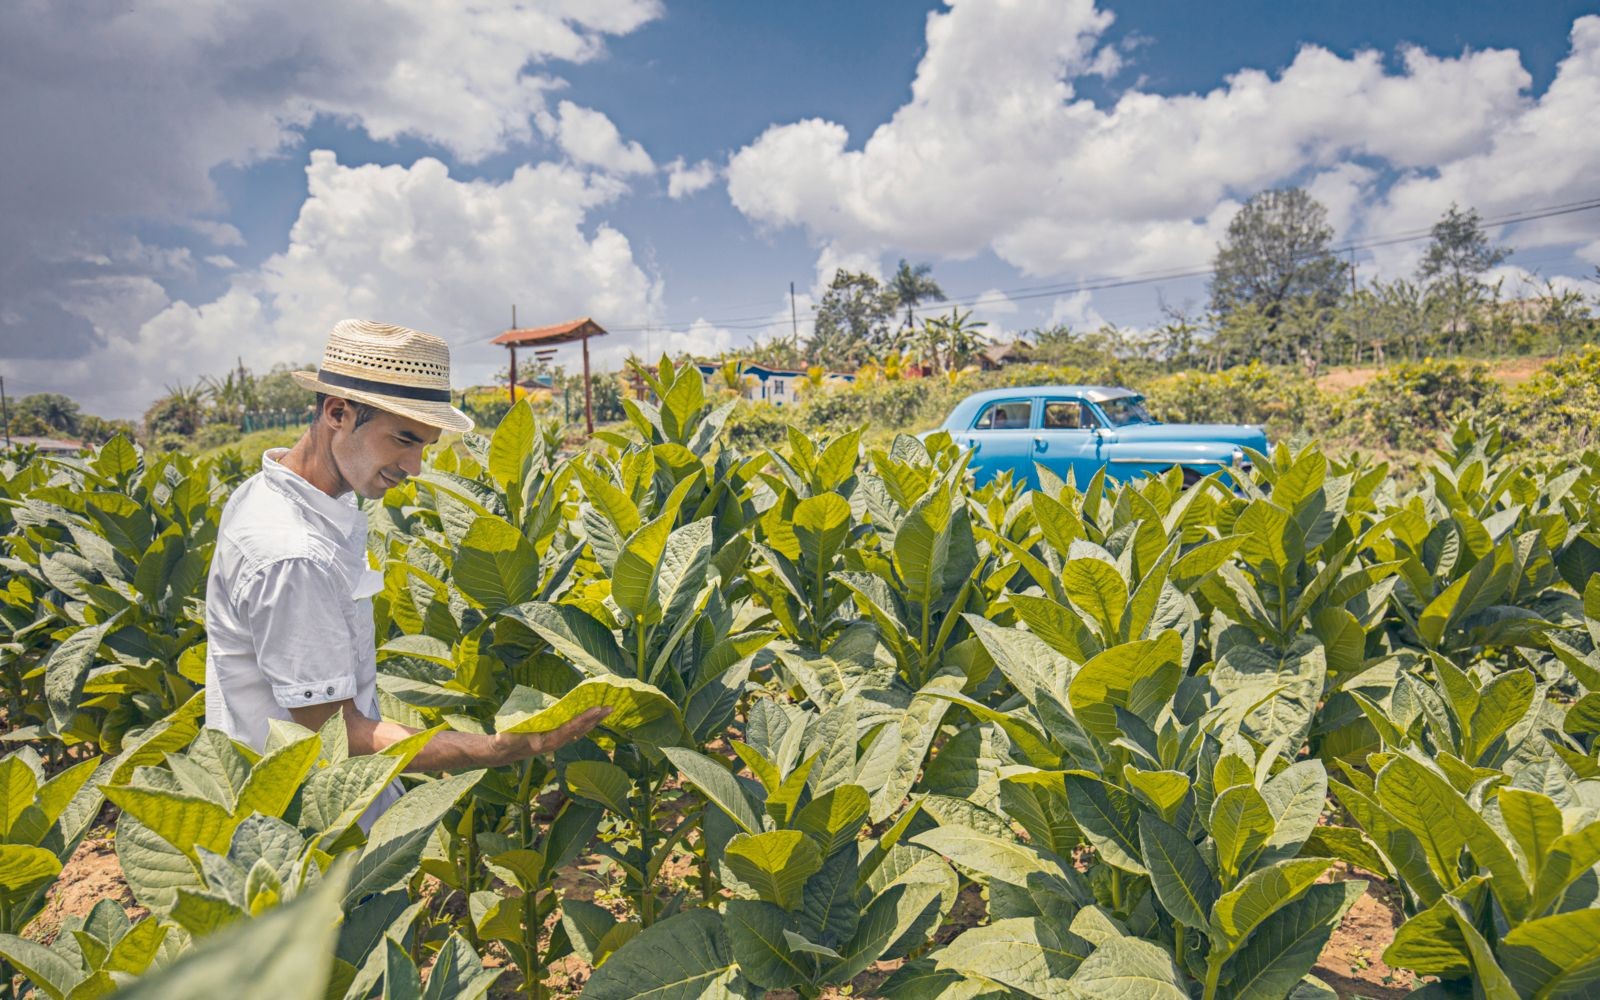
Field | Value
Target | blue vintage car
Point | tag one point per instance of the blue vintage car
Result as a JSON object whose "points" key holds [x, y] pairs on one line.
{"points": [[1083, 428]]}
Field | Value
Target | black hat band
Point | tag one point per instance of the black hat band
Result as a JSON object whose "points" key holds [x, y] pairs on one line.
{"points": [[384, 388]]}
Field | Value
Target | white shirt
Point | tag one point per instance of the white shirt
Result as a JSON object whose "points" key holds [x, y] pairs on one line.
{"points": [[289, 608]]}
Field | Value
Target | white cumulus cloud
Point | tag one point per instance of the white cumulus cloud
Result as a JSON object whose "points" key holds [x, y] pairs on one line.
{"points": [[683, 181], [996, 150], [592, 139], [407, 245], [116, 112]]}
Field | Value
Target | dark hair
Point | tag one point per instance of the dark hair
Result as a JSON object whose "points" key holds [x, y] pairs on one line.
{"points": [[364, 411]]}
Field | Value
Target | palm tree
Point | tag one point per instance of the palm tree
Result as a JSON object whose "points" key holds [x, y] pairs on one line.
{"points": [[911, 287], [952, 338]]}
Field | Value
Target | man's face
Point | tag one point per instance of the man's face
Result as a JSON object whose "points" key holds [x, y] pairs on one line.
{"points": [[379, 454]]}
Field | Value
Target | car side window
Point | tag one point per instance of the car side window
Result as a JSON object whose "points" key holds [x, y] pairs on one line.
{"points": [[1067, 415], [1013, 415]]}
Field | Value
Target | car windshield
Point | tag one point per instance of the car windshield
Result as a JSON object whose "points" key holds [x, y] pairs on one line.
{"points": [[1126, 410]]}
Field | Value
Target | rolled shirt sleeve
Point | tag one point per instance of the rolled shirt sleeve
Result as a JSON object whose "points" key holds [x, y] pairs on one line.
{"points": [[298, 609]]}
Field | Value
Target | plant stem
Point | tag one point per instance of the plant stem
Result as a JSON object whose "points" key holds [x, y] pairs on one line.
{"points": [[642, 818], [705, 860], [1213, 975], [525, 814]]}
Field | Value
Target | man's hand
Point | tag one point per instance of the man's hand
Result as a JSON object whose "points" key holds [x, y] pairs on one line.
{"points": [[448, 751], [520, 746]]}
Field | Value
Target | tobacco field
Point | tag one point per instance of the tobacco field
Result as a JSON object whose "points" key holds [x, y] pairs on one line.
{"points": [[1091, 741]]}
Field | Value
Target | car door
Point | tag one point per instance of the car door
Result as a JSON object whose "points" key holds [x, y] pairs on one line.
{"points": [[1001, 439], [1066, 442]]}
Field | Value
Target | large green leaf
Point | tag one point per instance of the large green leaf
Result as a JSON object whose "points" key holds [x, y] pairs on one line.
{"points": [[66, 668], [496, 567], [1124, 967], [23, 867], [759, 933], [512, 445], [575, 634], [1555, 956], [639, 711], [821, 525], [686, 957], [634, 584], [600, 781], [185, 821], [922, 545], [995, 857], [1138, 676], [1444, 822], [1260, 894], [1036, 957], [18, 787], [397, 839], [1290, 681], [1098, 589], [285, 955], [1282, 950], [1241, 824], [717, 784], [1570, 856], [275, 779], [833, 818], [1108, 817], [775, 864], [1179, 874]]}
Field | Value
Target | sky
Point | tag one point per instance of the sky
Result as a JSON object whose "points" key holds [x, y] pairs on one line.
{"points": [[192, 184]]}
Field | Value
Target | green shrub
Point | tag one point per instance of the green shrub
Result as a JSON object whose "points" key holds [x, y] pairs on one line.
{"points": [[1559, 406], [1408, 405], [216, 436], [1282, 400]]}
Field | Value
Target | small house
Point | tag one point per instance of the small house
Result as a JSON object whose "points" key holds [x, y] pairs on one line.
{"points": [[777, 386]]}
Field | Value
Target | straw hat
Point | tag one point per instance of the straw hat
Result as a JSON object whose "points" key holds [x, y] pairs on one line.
{"points": [[390, 367]]}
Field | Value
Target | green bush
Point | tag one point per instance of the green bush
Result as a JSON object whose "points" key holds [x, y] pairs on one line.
{"points": [[1408, 405], [1284, 401], [216, 435], [1559, 406]]}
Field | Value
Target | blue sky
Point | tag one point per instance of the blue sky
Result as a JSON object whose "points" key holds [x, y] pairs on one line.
{"points": [[221, 182]]}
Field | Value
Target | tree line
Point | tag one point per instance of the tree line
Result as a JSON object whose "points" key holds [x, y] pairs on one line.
{"points": [[1279, 293]]}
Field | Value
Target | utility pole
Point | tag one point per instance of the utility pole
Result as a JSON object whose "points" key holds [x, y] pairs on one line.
{"points": [[794, 319], [511, 376], [5, 408]]}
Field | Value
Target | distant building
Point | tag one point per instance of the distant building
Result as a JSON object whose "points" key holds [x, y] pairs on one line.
{"points": [[997, 356], [48, 446], [773, 385]]}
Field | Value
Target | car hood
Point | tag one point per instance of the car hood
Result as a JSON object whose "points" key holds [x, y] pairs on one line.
{"points": [[1239, 434]]}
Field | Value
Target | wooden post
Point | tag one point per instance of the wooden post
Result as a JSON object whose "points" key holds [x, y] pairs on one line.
{"points": [[588, 390], [511, 377]]}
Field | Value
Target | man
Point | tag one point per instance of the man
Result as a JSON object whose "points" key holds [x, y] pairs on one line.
{"points": [[289, 599]]}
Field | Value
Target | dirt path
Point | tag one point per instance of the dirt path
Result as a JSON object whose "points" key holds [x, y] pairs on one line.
{"points": [[1507, 371]]}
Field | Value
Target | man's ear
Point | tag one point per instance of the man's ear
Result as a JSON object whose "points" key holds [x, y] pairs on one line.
{"points": [[334, 411]]}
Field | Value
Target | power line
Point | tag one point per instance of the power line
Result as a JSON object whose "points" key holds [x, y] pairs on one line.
{"points": [[1108, 282]]}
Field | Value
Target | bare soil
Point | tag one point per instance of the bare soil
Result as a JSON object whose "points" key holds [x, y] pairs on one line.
{"points": [[1351, 963], [90, 875], [1509, 371], [1352, 960]]}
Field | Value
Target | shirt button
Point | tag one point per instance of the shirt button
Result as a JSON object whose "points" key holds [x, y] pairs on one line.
{"points": [[308, 694], [330, 689]]}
